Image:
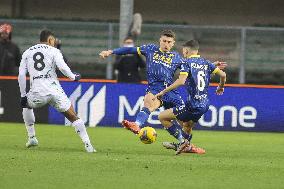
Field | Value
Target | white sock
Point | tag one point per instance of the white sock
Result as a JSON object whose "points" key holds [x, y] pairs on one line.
{"points": [[29, 119], [81, 130]]}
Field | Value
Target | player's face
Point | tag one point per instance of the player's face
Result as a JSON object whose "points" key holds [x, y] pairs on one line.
{"points": [[166, 43], [128, 43], [51, 41]]}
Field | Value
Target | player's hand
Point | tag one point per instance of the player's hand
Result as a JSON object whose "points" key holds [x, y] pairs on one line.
{"points": [[77, 76], [24, 102], [220, 90], [159, 95], [105, 54], [221, 65]]}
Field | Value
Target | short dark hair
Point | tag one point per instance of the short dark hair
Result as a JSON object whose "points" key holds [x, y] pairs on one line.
{"points": [[127, 38], [44, 34], [168, 33], [192, 44]]}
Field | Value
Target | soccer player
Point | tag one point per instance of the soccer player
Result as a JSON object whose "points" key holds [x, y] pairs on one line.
{"points": [[41, 61], [195, 74]]}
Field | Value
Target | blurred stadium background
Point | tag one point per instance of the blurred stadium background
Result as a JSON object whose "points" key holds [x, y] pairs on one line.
{"points": [[246, 34]]}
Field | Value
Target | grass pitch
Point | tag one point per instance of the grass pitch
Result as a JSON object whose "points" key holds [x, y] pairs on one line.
{"points": [[233, 160]]}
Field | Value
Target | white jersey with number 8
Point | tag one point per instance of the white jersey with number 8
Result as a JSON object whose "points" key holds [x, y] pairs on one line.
{"points": [[41, 61]]}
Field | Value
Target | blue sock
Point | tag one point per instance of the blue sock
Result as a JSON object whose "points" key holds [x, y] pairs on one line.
{"points": [[186, 136], [176, 132], [142, 116]]}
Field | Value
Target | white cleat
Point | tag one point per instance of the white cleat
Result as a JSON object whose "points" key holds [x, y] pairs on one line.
{"points": [[170, 145], [32, 142], [89, 148]]}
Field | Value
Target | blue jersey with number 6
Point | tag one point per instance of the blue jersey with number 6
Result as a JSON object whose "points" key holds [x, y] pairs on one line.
{"points": [[198, 70]]}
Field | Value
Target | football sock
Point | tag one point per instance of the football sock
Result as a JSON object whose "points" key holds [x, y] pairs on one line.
{"points": [[142, 116], [186, 136], [29, 119], [176, 132], [81, 130]]}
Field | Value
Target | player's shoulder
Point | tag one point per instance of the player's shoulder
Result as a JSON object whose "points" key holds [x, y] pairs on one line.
{"points": [[176, 54], [55, 50]]}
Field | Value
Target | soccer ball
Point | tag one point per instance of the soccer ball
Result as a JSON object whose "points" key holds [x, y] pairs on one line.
{"points": [[147, 135]]}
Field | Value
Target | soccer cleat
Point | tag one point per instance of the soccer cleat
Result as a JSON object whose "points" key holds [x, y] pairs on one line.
{"points": [[181, 146], [132, 126], [32, 142], [170, 145], [89, 148], [193, 149]]}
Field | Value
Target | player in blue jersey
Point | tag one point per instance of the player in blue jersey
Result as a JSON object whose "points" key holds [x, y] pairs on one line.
{"points": [[161, 65], [195, 74]]}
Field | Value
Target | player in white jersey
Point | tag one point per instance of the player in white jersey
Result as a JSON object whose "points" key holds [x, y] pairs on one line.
{"points": [[41, 61]]}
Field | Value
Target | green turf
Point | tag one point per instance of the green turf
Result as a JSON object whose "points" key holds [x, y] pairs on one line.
{"points": [[233, 160]]}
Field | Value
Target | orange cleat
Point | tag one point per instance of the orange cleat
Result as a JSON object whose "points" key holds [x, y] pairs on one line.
{"points": [[193, 149], [132, 126]]}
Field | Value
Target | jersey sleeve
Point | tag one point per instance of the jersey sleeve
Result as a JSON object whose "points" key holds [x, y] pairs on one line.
{"points": [[144, 49], [62, 66], [125, 50], [184, 69], [22, 75]]}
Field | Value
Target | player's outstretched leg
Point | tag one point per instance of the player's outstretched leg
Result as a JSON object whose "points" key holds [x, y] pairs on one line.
{"points": [[80, 128], [149, 106], [29, 119], [141, 118]]}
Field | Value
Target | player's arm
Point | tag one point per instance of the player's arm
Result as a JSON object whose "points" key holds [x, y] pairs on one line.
{"points": [[220, 65], [120, 51], [221, 86], [22, 81], [180, 81], [22, 76], [62, 66]]}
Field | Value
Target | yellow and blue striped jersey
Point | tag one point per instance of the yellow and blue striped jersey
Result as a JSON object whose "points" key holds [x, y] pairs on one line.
{"points": [[198, 70], [161, 66]]}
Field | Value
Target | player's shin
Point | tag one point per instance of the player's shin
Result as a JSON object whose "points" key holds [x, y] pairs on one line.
{"points": [[187, 129], [29, 119], [186, 135], [175, 131], [142, 116]]}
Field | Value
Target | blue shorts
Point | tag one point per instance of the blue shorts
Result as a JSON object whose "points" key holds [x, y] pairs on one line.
{"points": [[188, 113], [169, 100]]}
